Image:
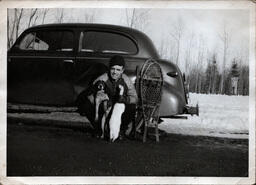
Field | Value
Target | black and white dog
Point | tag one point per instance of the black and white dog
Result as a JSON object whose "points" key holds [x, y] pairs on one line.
{"points": [[100, 97], [116, 111]]}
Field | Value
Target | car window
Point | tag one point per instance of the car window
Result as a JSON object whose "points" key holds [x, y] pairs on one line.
{"points": [[27, 42], [106, 42], [46, 40]]}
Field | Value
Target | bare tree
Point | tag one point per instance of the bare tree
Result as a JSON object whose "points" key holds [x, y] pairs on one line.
{"points": [[163, 48], [59, 16], [176, 34], [8, 30], [214, 74], [89, 18], [200, 58], [18, 19], [31, 16], [8, 27], [13, 25], [35, 21], [225, 38], [130, 17], [188, 57], [45, 11], [211, 75], [136, 18]]}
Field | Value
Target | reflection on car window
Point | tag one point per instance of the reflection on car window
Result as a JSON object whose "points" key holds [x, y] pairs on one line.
{"points": [[48, 41], [106, 42], [27, 42]]}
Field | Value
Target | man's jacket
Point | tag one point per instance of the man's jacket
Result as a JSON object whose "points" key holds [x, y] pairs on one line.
{"points": [[112, 89]]}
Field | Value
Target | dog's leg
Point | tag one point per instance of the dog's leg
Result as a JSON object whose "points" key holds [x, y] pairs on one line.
{"points": [[100, 97], [103, 121], [104, 117]]}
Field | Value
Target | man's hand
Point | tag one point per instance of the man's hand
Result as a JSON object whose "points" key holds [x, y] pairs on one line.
{"points": [[122, 98], [121, 90]]}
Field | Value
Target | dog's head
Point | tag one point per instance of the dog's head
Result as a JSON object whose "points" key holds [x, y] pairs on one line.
{"points": [[100, 85], [100, 94]]}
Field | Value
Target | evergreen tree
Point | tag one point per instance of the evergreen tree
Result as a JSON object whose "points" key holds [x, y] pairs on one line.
{"points": [[243, 83], [233, 73], [211, 74]]}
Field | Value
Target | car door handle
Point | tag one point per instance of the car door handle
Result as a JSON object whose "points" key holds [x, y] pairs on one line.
{"points": [[68, 61]]}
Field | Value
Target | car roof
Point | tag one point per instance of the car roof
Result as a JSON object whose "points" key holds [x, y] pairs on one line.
{"points": [[85, 25]]}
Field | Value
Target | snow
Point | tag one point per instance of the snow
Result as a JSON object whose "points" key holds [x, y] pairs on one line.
{"points": [[219, 116]]}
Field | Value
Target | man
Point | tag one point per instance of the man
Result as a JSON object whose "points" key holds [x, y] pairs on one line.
{"points": [[113, 79]]}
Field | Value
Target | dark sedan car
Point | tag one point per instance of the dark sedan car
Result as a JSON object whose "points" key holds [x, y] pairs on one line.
{"points": [[52, 64]]}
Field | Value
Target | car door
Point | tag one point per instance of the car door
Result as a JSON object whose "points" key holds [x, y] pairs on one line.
{"points": [[96, 47], [40, 68]]}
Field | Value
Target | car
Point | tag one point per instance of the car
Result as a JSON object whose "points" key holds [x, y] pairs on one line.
{"points": [[50, 65]]}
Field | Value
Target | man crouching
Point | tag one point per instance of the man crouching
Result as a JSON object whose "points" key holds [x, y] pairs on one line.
{"points": [[115, 81]]}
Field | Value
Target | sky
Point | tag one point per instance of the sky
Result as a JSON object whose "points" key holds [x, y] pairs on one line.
{"points": [[201, 29]]}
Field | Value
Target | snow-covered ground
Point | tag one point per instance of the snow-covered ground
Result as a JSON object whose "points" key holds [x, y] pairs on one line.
{"points": [[219, 115]]}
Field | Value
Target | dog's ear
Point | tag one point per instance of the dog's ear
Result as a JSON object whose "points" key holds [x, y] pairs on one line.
{"points": [[96, 86], [97, 83]]}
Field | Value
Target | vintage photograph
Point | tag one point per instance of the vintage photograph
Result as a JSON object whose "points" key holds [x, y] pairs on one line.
{"points": [[129, 91]]}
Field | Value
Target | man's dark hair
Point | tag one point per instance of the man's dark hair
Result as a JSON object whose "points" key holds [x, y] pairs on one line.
{"points": [[117, 60]]}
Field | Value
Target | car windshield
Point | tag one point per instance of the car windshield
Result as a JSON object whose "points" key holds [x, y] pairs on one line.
{"points": [[106, 42]]}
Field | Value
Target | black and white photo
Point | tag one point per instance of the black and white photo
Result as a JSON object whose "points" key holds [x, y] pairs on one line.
{"points": [[128, 92]]}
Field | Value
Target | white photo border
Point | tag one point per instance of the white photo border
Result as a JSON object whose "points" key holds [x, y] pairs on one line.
{"points": [[4, 5]]}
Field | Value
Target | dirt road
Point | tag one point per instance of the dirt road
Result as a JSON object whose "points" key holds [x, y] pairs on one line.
{"points": [[48, 151]]}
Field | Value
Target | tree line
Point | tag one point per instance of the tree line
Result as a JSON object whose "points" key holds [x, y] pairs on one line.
{"points": [[207, 73], [210, 80]]}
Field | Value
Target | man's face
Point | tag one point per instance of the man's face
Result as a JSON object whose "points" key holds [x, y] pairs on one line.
{"points": [[116, 72]]}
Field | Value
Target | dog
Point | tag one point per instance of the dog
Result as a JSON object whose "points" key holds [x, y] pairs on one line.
{"points": [[112, 115], [100, 97]]}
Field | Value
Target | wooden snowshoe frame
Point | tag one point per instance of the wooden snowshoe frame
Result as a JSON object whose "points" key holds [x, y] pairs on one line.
{"points": [[149, 83]]}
